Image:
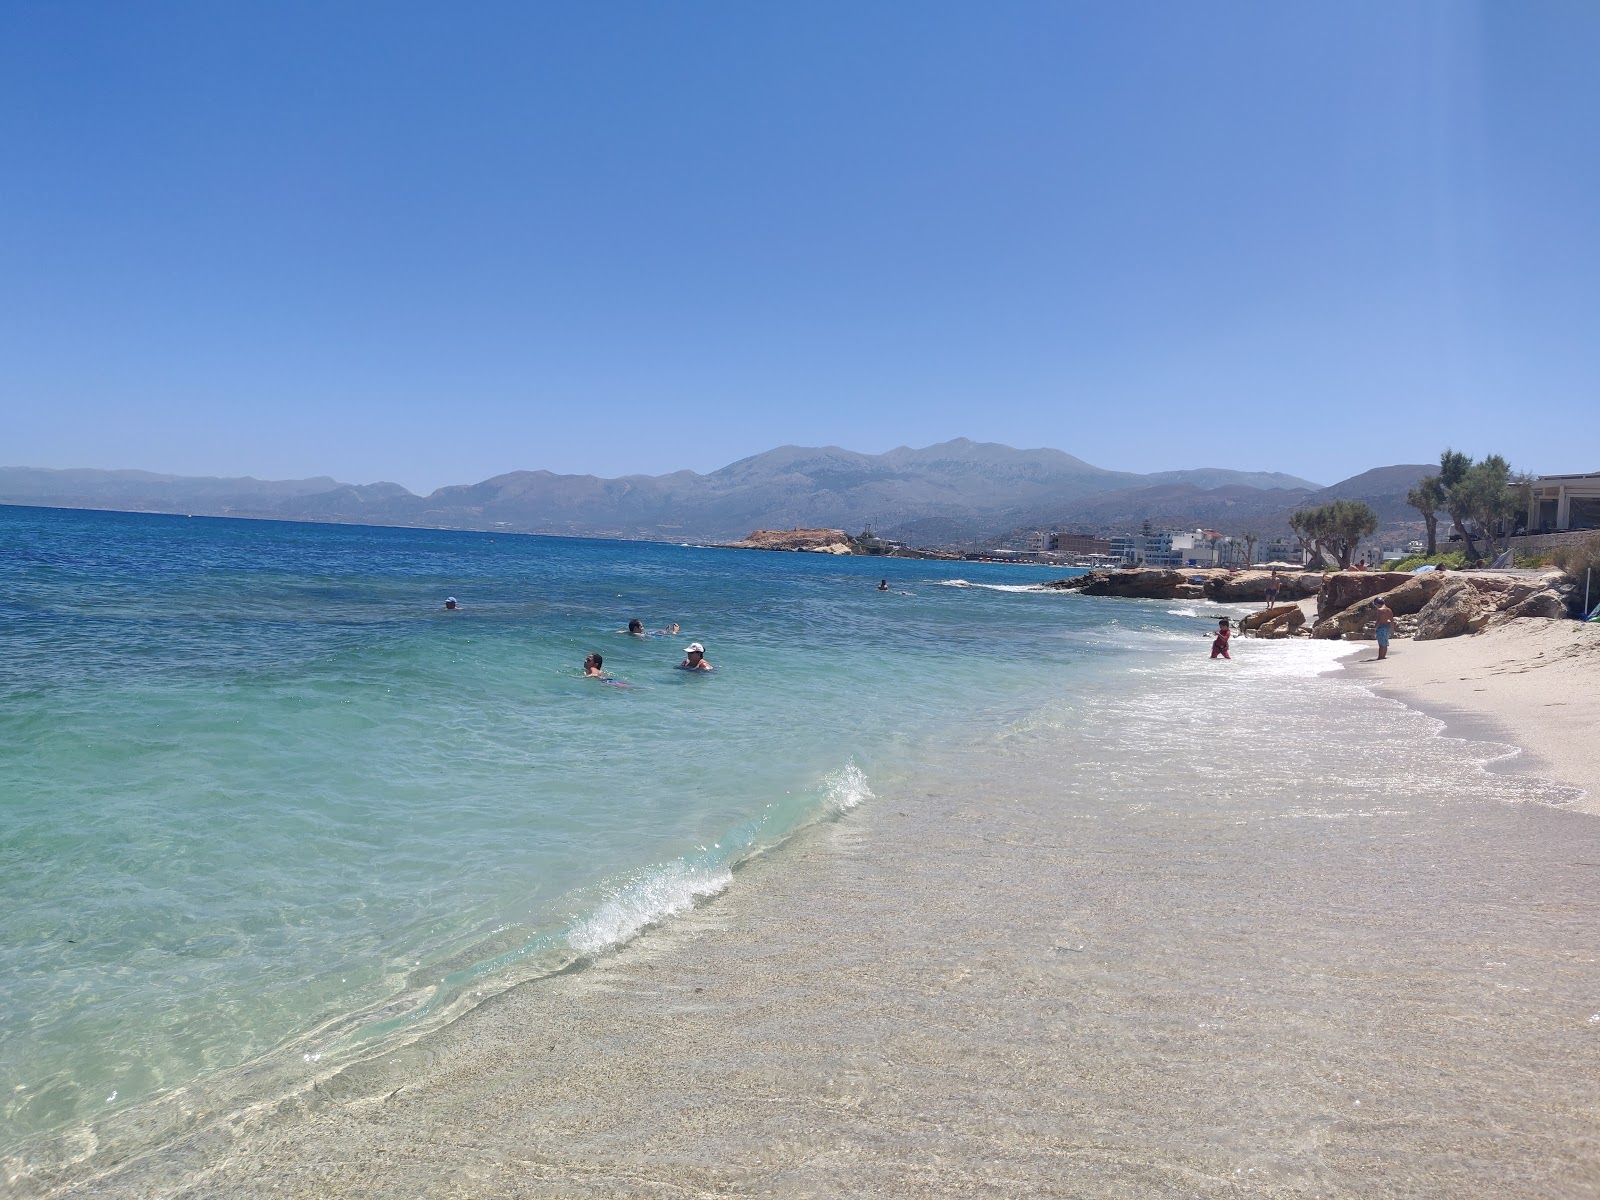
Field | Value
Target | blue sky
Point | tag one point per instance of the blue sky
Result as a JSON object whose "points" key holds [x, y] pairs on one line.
{"points": [[430, 243]]}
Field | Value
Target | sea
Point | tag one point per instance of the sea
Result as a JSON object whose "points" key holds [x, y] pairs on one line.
{"points": [[268, 809], [266, 802]]}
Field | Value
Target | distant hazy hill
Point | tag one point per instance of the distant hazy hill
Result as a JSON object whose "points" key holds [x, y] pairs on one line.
{"points": [[973, 487], [1233, 508]]}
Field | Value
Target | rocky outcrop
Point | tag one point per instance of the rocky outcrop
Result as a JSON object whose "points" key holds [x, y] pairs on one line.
{"points": [[1142, 583], [1194, 583], [1546, 602], [1411, 596], [1279, 621], [1458, 608], [1343, 588], [1433, 604], [1268, 616], [825, 541], [1245, 586]]}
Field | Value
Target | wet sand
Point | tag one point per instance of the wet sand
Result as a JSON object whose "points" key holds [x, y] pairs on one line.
{"points": [[1535, 682], [1038, 982]]}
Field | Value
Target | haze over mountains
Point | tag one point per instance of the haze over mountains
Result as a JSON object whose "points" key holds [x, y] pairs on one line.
{"points": [[955, 492]]}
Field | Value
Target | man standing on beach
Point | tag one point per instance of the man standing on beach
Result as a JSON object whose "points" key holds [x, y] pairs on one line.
{"points": [[1385, 617], [1273, 586]]}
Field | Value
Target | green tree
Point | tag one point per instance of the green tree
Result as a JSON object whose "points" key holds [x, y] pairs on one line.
{"points": [[1428, 498], [1347, 522], [1250, 540], [1306, 527], [1335, 528], [1489, 496], [1453, 468]]}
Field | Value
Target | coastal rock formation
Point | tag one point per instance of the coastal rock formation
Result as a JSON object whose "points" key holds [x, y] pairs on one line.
{"points": [[1409, 597], [1343, 588], [1547, 602], [1245, 586], [825, 541], [1143, 583], [1280, 621], [1269, 616], [1434, 604], [1194, 583], [1458, 608]]}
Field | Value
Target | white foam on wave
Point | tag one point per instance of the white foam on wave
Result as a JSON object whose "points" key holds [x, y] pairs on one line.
{"points": [[993, 587], [845, 788], [647, 899]]}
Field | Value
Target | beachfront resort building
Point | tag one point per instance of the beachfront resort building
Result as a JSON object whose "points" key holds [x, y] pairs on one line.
{"points": [[1560, 502], [1044, 542], [1146, 549], [1281, 550]]}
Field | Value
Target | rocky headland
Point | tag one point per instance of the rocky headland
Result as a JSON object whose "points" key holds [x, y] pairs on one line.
{"points": [[820, 541]]}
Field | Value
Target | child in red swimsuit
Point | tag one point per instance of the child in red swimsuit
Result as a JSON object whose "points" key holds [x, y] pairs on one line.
{"points": [[1219, 644]]}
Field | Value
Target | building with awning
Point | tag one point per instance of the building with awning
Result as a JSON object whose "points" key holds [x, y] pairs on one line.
{"points": [[1561, 502]]}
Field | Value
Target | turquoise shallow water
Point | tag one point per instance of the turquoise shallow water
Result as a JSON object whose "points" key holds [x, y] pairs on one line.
{"points": [[264, 800]]}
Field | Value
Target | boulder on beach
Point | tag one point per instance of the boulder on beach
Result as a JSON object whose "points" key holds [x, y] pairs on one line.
{"points": [[1343, 588], [1458, 608], [1409, 596], [1546, 602], [1268, 616]]}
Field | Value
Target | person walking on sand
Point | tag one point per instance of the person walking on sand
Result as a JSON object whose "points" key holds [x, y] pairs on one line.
{"points": [[1219, 644], [1385, 617]]}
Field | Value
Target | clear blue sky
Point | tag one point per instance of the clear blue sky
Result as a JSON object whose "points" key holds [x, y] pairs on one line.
{"points": [[432, 242]]}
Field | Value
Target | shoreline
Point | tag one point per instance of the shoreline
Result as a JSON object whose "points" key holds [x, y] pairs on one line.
{"points": [[1034, 979], [1533, 684]]}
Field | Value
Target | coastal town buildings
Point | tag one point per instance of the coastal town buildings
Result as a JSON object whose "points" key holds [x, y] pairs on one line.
{"points": [[1051, 544], [1281, 550], [1150, 549]]}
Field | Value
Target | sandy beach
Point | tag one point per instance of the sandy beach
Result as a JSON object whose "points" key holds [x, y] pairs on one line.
{"points": [[1534, 682], [1119, 975]]}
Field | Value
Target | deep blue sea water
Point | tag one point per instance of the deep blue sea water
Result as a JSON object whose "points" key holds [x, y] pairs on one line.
{"points": [[265, 800]]}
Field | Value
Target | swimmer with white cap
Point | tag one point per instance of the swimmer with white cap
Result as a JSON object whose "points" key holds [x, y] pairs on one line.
{"points": [[695, 658], [450, 603]]}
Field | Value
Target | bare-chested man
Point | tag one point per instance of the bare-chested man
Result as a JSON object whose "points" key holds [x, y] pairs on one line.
{"points": [[1385, 619]]}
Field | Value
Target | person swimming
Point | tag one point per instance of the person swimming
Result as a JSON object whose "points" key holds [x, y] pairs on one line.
{"points": [[451, 605], [636, 629], [883, 585], [695, 658], [592, 667]]}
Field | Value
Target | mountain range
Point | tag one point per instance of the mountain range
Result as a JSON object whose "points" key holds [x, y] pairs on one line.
{"points": [[953, 493]]}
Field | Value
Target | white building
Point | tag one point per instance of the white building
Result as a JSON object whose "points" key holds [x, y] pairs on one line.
{"points": [[1146, 549], [1559, 502], [1284, 550]]}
